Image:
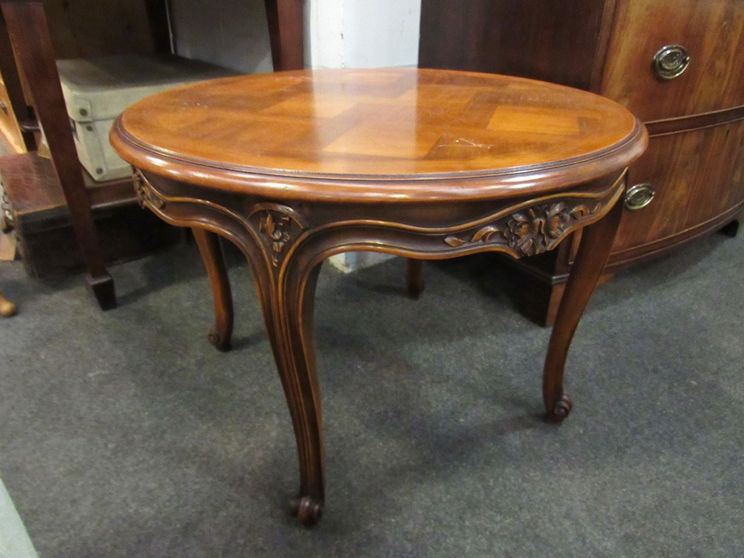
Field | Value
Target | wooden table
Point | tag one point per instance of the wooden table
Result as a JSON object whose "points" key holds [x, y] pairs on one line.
{"points": [[298, 166]]}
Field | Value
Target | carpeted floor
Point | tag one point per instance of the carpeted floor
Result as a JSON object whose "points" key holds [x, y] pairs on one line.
{"points": [[125, 434]]}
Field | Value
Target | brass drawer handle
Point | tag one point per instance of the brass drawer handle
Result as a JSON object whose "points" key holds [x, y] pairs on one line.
{"points": [[639, 196], [671, 61]]}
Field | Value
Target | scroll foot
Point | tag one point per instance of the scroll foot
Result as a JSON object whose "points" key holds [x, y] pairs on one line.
{"points": [[307, 509], [561, 409], [220, 342]]}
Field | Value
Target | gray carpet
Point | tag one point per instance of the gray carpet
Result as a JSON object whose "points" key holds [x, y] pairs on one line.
{"points": [[126, 434]]}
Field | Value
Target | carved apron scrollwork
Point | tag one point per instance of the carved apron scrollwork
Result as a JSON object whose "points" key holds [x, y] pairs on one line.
{"points": [[532, 230]]}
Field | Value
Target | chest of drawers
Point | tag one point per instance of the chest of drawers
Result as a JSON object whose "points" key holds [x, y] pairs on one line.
{"points": [[673, 63]]}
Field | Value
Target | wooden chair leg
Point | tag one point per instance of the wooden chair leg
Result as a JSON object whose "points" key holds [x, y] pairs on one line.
{"points": [[7, 308], [29, 35]]}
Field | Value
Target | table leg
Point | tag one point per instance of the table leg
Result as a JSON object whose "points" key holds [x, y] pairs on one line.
{"points": [[287, 300], [415, 277], [596, 242], [211, 252]]}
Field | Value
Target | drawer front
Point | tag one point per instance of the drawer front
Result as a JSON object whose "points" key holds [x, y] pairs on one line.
{"points": [[642, 75], [8, 124], [696, 177]]}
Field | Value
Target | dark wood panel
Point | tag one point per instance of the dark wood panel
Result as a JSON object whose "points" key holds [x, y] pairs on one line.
{"points": [[83, 28], [285, 18], [529, 38]]}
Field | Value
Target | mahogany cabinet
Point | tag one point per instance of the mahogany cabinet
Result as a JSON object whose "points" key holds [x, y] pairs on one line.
{"points": [[675, 63]]}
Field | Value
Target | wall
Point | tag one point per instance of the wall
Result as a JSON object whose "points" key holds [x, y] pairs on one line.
{"points": [[361, 34], [230, 33], [338, 33]]}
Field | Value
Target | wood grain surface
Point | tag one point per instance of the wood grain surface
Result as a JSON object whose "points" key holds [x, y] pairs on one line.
{"points": [[392, 134], [712, 32]]}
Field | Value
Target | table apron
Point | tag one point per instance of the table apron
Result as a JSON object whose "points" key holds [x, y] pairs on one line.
{"points": [[435, 230]]}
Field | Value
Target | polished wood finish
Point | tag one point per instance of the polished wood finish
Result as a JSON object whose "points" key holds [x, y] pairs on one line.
{"points": [[595, 247], [443, 126], [299, 166], [676, 164], [29, 35], [607, 46], [713, 34]]}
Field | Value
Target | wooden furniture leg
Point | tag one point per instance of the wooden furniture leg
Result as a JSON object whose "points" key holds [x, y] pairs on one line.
{"points": [[415, 277], [285, 18], [731, 229], [7, 308], [14, 89], [29, 34], [594, 251], [287, 300], [211, 253]]}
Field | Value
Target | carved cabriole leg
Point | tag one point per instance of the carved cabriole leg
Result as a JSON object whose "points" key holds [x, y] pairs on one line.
{"points": [[285, 287], [593, 254], [295, 354], [211, 252], [287, 300]]}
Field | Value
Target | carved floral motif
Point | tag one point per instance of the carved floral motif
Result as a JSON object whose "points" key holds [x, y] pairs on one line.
{"points": [[275, 224], [529, 232], [277, 230]]}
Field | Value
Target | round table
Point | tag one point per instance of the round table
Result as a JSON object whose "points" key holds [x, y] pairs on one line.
{"points": [[295, 167]]}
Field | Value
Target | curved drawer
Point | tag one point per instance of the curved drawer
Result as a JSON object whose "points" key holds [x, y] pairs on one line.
{"points": [[697, 177]]}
